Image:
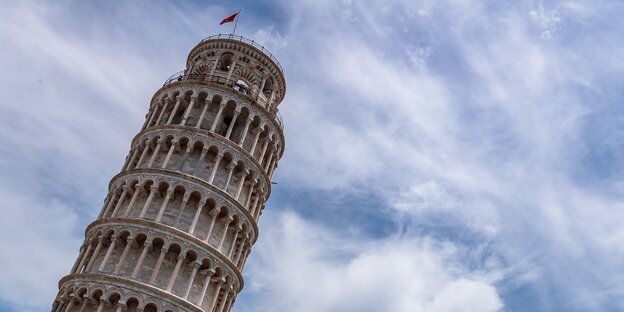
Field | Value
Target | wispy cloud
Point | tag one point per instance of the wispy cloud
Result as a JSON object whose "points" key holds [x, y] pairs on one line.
{"points": [[451, 147], [301, 266]]}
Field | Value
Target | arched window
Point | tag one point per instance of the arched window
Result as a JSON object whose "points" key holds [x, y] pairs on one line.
{"points": [[241, 86], [226, 61], [268, 86]]}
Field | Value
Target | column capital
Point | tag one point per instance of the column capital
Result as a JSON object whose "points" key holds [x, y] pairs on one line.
{"points": [[105, 302], [214, 212], [154, 187], [130, 240]]}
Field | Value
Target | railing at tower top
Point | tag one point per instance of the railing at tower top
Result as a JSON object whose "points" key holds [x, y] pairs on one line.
{"points": [[237, 85], [247, 41]]}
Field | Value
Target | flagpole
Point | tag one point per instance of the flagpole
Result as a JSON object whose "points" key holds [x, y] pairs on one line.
{"points": [[236, 23]]}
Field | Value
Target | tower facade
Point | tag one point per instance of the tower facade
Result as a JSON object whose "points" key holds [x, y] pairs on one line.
{"points": [[180, 218]]}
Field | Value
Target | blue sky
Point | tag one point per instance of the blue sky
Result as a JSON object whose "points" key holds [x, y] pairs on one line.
{"points": [[448, 155]]}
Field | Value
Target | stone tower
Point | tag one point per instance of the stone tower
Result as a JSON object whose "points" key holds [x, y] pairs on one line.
{"points": [[180, 218]]}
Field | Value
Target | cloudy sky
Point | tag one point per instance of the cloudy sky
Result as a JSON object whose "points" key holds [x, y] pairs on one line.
{"points": [[441, 155]]}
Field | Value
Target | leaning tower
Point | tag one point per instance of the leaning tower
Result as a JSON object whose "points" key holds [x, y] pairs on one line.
{"points": [[180, 218]]}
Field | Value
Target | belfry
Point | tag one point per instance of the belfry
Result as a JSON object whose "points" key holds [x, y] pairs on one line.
{"points": [[181, 217]]}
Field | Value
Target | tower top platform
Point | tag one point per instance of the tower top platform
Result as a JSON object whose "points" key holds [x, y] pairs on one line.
{"points": [[238, 63], [240, 39]]}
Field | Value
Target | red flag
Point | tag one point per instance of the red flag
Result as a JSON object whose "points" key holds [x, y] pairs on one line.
{"points": [[229, 19]]}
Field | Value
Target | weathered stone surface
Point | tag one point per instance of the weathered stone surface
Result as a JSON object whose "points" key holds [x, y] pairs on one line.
{"points": [[180, 218]]}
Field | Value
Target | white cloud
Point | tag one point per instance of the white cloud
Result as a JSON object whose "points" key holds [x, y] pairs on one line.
{"points": [[38, 240], [458, 114], [300, 266]]}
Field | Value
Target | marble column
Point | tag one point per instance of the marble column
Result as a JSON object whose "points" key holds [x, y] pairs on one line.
{"points": [[196, 266], [231, 127], [216, 294], [255, 141], [175, 110], [200, 207], [148, 202], [244, 133], [174, 275], [143, 154], [162, 113], [225, 232], [111, 247], [95, 254], [202, 115], [81, 255], [155, 153], [214, 213], [85, 257], [146, 247], [200, 161], [120, 201], [170, 191], [188, 110], [137, 190], [161, 257], [185, 199], [204, 289], [124, 254], [214, 168], [174, 142], [217, 118]]}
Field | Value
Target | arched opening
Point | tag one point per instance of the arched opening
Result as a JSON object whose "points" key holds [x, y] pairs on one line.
{"points": [[226, 61], [150, 307], [241, 86], [268, 87], [132, 305]]}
